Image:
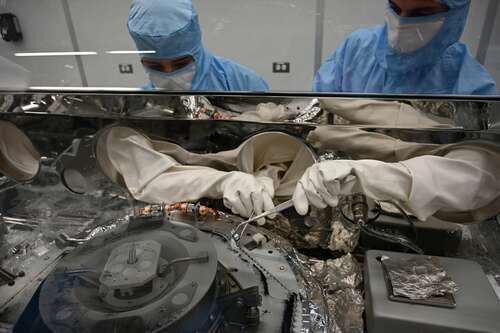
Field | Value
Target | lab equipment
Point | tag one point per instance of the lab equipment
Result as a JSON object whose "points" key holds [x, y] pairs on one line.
{"points": [[473, 308]]}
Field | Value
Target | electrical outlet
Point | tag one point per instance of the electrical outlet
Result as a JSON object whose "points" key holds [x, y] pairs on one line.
{"points": [[281, 67], [126, 68]]}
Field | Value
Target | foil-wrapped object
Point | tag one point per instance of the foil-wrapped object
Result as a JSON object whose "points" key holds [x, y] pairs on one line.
{"points": [[313, 297], [341, 273], [343, 237], [341, 280], [419, 278], [347, 306], [310, 113]]}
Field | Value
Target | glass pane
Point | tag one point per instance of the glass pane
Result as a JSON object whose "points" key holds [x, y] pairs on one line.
{"points": [[363, 46]]}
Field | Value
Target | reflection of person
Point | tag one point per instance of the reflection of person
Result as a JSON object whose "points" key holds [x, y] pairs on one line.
{"points": [[174, 56], [416, 51]]}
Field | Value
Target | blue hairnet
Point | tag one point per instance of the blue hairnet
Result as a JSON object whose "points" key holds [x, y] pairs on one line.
{"points": [[171, 29], [455, 3]]}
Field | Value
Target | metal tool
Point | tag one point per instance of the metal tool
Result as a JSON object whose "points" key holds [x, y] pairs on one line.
{"points": [[279, 208]]}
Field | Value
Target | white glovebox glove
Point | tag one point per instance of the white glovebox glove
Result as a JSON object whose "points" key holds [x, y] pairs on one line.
{"points": [[465, 180], [323, 183], [154, 177], [247, 195]]}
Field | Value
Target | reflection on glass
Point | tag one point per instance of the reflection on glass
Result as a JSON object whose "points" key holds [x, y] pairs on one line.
{"points": [[416, 51], [181, 62], [19, 160]]}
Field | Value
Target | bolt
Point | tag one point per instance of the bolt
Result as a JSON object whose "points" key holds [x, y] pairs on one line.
{"points": [[240, 303], [282, 268]]}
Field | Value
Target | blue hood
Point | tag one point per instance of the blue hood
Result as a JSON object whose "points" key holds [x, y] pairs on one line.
{"points": [[171, 29], [451, 31]]}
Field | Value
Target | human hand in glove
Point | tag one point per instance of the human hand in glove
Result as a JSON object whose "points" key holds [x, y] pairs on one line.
{"points": [[247, 195], [323, 183]]}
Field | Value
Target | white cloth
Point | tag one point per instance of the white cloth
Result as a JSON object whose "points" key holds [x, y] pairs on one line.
{"points": [[382, 113], [18, 157], [266, 112]]}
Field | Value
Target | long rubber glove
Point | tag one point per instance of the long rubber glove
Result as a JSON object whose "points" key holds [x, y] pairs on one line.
{"points": [[157, 178], [463, 180]]}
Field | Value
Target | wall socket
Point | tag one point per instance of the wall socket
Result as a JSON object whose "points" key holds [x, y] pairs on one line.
{"points": [[126, 69], [281, 67]]}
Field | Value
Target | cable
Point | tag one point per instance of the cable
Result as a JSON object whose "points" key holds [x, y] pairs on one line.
{"points": [[407, 218], [397, 239]]}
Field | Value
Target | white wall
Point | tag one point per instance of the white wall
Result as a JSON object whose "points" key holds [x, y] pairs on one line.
{"points": [[44, 29], [493, 55], [101, 25], [255, 33]]}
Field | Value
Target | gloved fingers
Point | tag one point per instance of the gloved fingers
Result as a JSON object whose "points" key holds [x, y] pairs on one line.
{"points": [[258, 205], [268, 203], [246, 200], [313, 196], [257, 202], [334, 189], [318, 181], [299, 199], [235, 205], [349, 185]]}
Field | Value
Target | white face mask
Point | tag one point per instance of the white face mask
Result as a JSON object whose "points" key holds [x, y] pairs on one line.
{"points": [[178, 80], [409, 37]]}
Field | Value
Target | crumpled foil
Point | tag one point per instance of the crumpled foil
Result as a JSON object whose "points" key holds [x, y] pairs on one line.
{"points": [[341, 279], [315, 311], [347, 306], [419, 277], [310, 113], [341, 273], [322, 228], [343, 237]]}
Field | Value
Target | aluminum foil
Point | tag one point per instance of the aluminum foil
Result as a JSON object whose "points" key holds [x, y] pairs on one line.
{"points": [[419, 277], [315, 312], [343, 237], [481, 243], [347, 306], [310, 113], [341, 273], [341, 280]]}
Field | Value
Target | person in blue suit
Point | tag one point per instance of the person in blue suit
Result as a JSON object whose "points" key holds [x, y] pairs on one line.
{"points": [[168, 34], [416, 51]]}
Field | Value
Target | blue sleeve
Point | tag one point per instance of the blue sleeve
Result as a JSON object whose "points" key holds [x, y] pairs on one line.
{"points": [[242, 78], [259, 84], [329, 76], [474, 79], [148, 86]]}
